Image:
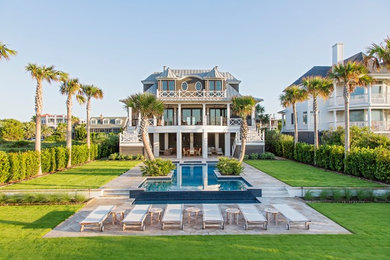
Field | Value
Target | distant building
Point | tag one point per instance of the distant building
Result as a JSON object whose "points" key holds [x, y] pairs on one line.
{"points": [[52, 120], [107, 124]]}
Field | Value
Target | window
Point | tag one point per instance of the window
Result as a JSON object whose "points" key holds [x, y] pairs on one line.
{"points": [[118, 121], [191, 116], [215, 85], [292, 118], [376, 115], [168, 85], [217, 116], [356, 116], [304, 118], [358, 91], [106, 121], [184, 86], [112, 121], [168, 116], [198, 86], [93, 121], [376, 89]]}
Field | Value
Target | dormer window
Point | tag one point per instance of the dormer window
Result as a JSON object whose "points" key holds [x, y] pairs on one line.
{"points": [[215, 85], [184, 86], [106, 121], [168, 85], [94, 121], [118, 121], [198, 86]]}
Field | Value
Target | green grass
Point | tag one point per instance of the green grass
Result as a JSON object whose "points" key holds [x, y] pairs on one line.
{"points": [[92, 175], [22, 229], [302, 175]]}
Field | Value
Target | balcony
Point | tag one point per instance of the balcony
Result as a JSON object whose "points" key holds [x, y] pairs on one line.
{"points": [[191, 95], [375, 125], [379, 99], [219, 121]]}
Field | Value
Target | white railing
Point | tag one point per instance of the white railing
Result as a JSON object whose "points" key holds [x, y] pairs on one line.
{"points": [[380, 98], [235, 121], [361, 99], [253, 136], [380, 125], [129, 137], [191, 95], [355, 123]]}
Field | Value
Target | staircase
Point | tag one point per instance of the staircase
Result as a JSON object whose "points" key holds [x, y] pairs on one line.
{"points": [[274, 192], [115, 193]]}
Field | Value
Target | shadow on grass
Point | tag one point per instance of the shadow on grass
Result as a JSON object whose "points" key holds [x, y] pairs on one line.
{"points": [[50, 220]]}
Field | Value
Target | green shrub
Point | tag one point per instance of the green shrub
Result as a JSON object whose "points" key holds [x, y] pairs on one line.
{"points": [[61, 157], [324, 194], [285, 146], [337, 195], [246, 157], [267, 156], [254, 156], [15, 167], [46, 160], [31, 198], [308, 195], [347, 195], [304, 152], [157, 167], [229, 166], [336, 158], [79, 154], [362, 195], [19, 144], [113, 156], [22, 169], [32, 163], [108, 146], [4, 167], [382, 170]]}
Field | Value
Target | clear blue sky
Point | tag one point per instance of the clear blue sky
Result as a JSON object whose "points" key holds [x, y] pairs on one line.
{"points": [[116, 44]]}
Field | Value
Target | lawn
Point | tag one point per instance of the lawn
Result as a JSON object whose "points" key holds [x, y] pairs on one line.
{"points": [[22, 229], [92, 175], [303, 175], [21, 146]]}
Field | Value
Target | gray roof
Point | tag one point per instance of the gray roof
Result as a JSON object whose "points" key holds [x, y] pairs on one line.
{"points": [[201, 73], [315, 71]]}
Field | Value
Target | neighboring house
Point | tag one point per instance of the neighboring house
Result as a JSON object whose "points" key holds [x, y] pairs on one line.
{"points": [[197, 119], [52, 120], [108, 124], [368, 106]]}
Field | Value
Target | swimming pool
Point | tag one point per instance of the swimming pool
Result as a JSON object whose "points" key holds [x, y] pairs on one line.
{"points": [[195, 177]]}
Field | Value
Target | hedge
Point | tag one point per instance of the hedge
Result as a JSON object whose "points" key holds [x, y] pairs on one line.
{"points": [[373, 164]]}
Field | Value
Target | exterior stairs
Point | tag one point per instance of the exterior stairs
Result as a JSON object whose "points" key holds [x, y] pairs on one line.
{"points": [[274, 192], [115, 193]]}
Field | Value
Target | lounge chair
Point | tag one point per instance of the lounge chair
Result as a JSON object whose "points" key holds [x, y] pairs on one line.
{"points": [[292, 215], [219, 151], [96, 217], [136, 217], [173, 216], [212, 216], [252, 216]]}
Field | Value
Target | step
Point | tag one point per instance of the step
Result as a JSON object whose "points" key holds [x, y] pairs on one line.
{"points": [[116, 193]]}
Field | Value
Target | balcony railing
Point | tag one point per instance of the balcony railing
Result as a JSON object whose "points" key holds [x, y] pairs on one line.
{"points": [[375, 125], [361, 99], [191, 95]]}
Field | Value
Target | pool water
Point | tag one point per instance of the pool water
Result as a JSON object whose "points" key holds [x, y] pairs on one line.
{"points": [[195, 177]]}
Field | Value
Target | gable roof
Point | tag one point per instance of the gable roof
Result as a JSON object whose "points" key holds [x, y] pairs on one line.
{"points": [[321, 71]]}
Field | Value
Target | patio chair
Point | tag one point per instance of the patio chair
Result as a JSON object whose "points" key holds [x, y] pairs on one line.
{"points": [[212, 216], [252, 216], [219, 151], [209, 151], [199, 152], [292, 215], [136, 217], [173, 216], [192, 151], [96, 217]]}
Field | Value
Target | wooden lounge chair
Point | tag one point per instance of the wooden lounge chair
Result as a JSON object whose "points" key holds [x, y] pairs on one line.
{"points": [[212, 216], [173, 216], [96, 217], [292, 215], [136, 217], [219, 151], [252, 216]]}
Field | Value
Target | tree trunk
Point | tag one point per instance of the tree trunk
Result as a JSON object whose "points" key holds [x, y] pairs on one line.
{"points": [[69, 130], [346, 120], [145, 138], [295, 124], [38, 111], [89, 127], [244, 135], [315, 111]]}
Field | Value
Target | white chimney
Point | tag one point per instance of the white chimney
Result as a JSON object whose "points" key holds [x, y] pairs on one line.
{"points": [[337, 53], [164, 68]]}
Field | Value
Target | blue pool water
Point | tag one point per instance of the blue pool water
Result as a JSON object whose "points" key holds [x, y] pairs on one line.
{"points": [[195, 177]]}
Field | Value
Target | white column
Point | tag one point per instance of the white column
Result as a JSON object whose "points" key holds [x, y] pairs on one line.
{"points": [[369, 94], [228, 114], [179, 176], [335, 119], [204, 144], [204, 114], [178, 144], [179, 114], [139, 119], [253, 117], [227, 144], [334, 94], [166, 140], [369, 116], [156, 144], [191, 140], [130, 115], [216, 140]]}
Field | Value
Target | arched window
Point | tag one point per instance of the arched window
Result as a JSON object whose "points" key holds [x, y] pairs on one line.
{"points": [[184, 86], [118, 121], [93, 121], [106, 121], [198, 86]]}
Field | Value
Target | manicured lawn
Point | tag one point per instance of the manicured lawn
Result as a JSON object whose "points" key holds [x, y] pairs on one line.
{"points": [[302, 175], [22, 229], [91, 175]]}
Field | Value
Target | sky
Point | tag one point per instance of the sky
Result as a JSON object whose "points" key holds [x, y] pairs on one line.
{"points": [[116, 44]]}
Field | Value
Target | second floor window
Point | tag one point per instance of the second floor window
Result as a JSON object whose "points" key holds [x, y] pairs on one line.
{"points": [[168, 116], [168, 85], [356, 115], [106, 122], [184, 86], [304, 118], [358, 91], [215, 85], [198, 86]]}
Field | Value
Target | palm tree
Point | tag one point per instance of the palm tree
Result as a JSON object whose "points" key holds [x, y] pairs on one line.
{"points": [[90, 92], [292, 95], [70, 87], [317, 87], [243, 106], [5, 52], [263, 118], [350, 75], [40, 74], [379, 54], [148, 106]]}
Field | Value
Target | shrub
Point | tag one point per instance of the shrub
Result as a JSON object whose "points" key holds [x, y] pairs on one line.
{"points": [[108, 146], [229, 166], [31, 198], [324, 194], [246, 157], [157, 167], [32, 163], [254, 156], [113, 156], [61, 157], [79, 154], [19, 144], [46, 160], [308, 195], [362, 195], [382, 170], [348, 195], [15, 167], [4, 167], [267, 156], [304, 152], [337, 195]]}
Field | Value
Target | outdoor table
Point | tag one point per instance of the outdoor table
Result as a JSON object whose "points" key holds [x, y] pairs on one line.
{"points": [[155, 211], [232, 212], [117, 215], [273, 212], [191, 210]]}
